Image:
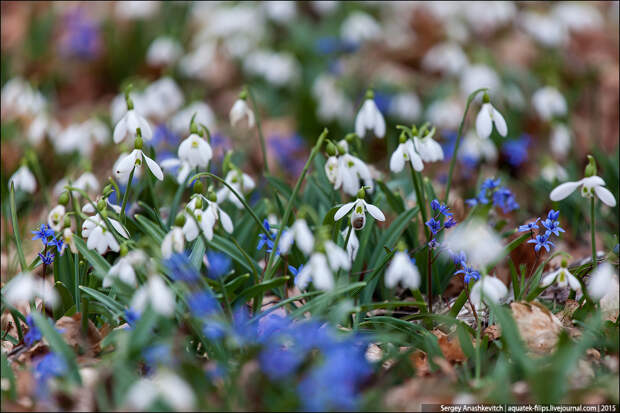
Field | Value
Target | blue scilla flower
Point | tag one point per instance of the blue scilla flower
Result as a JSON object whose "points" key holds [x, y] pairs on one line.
{"points": [[34, 334], [491, 184], [49, 366], [219, 264], [480, 199], [157, 355], [432, 244], [553, 215], [295, 271], [203, 303], [450, 222], [163, 135], [468, 273], [81, 37], [459, 258], [529, 227], [43, 233], [553, 227], [47, 258], [56, 242], [541, 241], [131, 316], [434, 225], [265, 239], [181, 268], [278, 362], [440, 208], [516, 150], [505, 199], [214, 329]]}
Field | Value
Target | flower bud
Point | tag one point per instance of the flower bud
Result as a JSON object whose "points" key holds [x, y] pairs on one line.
{"points": [[179, 220], [591, 167], [63, 199], [370, 94], [361, 194], [138, 142], [414, 130], [124, 249], [564, 263], [67, 222], [486, 98], [198, 187], [350, 137], [101, 204], [199, 203], [211, 196], [331, 149], [403, 137]]}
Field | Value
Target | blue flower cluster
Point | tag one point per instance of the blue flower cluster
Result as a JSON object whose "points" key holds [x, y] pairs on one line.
{"points": [[181, 268], [290, 152], [551, 226], [501, 196], [47, 367], [34, 334], [48, 238], [266, 240], [516, 150], [460, 260], [435, 224]]}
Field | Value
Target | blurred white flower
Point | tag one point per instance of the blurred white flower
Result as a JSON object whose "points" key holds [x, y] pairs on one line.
{"points": [[324, 6], [241, 182], [87, 182], [351, 171], [23, 180], [280, 11], [55, 218], [300, 233], [163, 51], [549, 103], [41, 126], [577, 16], [428, 148], [196, 63], [123, 269], [446, 58], [19, 99], [480, 243], [446, 114], [136, 9], [156, 294], [239, 110], [487, 117], [369, 118], [406, 107], [488, 16], [279, 69], [479, 76], [358, 217], [96, 130], [316, 270], [173, 242], [353, 245], [543, 28], [402, 270], [359, 27], [476, 149], [67, 237], [162, 98], [165, 385], [403, 153], [589, 186], [488, 289], [560, 140], [134, 160], [128, 126], [604, 280], [74, 138], [332, 103], [552, 172], [25, 287]]}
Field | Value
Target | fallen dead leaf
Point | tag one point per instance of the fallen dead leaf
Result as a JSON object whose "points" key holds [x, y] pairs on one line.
{"points": [[71, 328], [566, 315], [493, 332], [420, 363], [450, 347], [538, 327]]}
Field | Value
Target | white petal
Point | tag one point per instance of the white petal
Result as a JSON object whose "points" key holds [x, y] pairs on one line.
{"points": [[155, 169], [573, 281], [226, 221], [397, 161], [304, 237], [484, 124], [500, 123], [145, 129], [119, 227], [120, 130], [128, 163], [605, 195], [374, 211], [286, 241], [548, 279], [379, 128], [343, 210], [563, 190]]}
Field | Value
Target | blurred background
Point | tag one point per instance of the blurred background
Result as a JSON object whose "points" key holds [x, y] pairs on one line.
{"points": [[552, 70]]}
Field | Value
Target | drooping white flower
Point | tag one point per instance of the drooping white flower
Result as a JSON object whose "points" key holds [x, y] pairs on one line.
{"points": [[477, 240], [549, 103], [562, 277], [446, 58], [74, 138], [359, 27], [332, 103], [280, 11], [41, 126], [544, 28], [134, 160], [278, 68], [331, 169], [445, 113], [478, 76], [560, 140], [123, 269], [87, 182], [589, 186], [67, 237], [163, 51], [553, 172], [353, 245], [23, 180], [486, 17], [488, 289], [428, 148], [173, 242], [129, 124], [403, 153], [336, 256], [25, 287], [369, 118], [358, 217], [96, 130], [406, 107], [136, 9], [403, 270], [241, 182], [604, 279], [476, 149], [351, 171], [156, 294], [197, 220], [124, 178], [488, 116], [172, 389], [183, 168], [316, 270], [55, 218], [577, 16], [240, 110], [162, 98], [99, 237], [300, 234], [195, 151], [220, 215]]}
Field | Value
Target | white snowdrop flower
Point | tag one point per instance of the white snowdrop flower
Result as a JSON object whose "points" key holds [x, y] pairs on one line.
{"points": [[562, 277], [19, 99], [487, 117], [445, 113], [552, 172], [402, 270], [351, 171], [165, 385], [163, 98], [299, 233], [560, 140], [41, 126], [134, 160], [123, 269], [55, 218], [99, 237], [196, 63], [195, 151], [96, 130], [549, 103], [479, 76], [324, 6], [488, 16], [316, 270], [488, 288], [332, 103], [87, 182], [359, 27], [279, 69], [446, 58], [181, 121], [369, 118], [331, 169], [23, 180], [156, 294], [136, 9], [358, 217], [589, 187], [403, 153], [118, 106], [604, 279], [336, 256], [476, 149], [173, 242], [280, 11], [184, 168], [129, 124], [577, 16], [241, 182], [241, 110], [406, 107], [353, 245], [74, 138], [479, 242], [163, 51], [67, 237], [197, 220], [427, 147], [543, 28], [25, 287], [218, 214], [124, 178]]}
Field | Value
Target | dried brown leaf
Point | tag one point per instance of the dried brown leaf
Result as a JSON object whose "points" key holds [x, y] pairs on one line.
{"points": [[538, 327]]}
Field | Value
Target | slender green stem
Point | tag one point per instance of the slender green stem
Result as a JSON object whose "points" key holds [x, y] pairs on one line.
{"points": [[593, 231], [478, 348], [429, 279], [126, 195], [471, 97], [420, 198], [225, 294], [76, 277], [346, 240], [259, 128], [18, 242]]}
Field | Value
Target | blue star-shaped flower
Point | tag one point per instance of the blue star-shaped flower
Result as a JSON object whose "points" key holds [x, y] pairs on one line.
{"points": [[468, 273], [47, 259], [43, 234], [541, 241], [490, 183], [553, 215], [553, 227], [434, 225], [529, 227]]}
